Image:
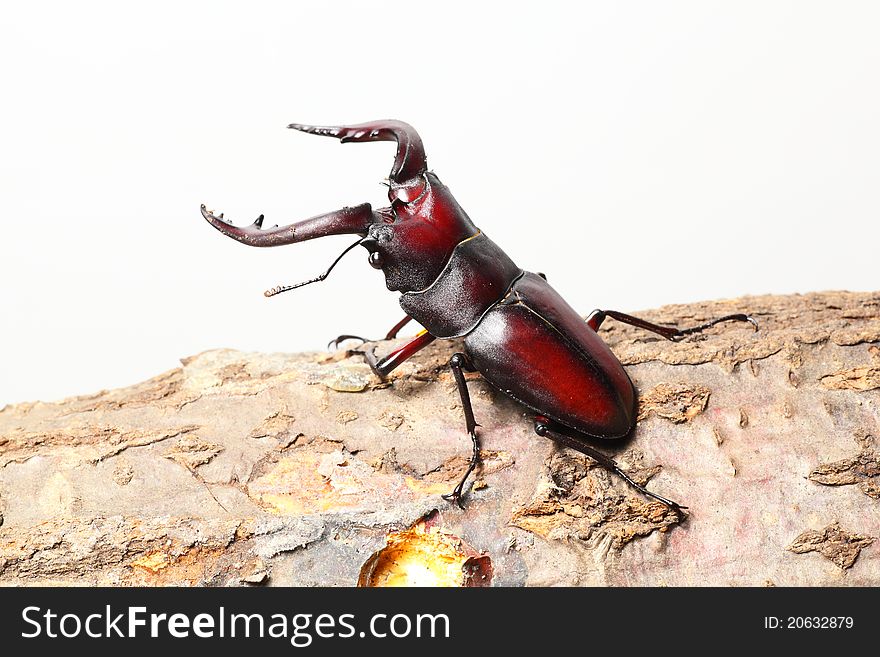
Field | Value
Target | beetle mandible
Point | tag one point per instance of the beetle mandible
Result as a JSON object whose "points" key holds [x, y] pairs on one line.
{"points": [[518, 332]]}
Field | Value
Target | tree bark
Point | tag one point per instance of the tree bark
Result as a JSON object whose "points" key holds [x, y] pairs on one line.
{"points": [[297, 469]]}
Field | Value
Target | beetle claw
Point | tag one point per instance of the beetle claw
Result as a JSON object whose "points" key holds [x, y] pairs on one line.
{"points": [[677, 508], [740, 317], [455, 498], [335, 342]]}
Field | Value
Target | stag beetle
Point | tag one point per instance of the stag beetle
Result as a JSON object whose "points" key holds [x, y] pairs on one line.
{"points": [[518, 332]]}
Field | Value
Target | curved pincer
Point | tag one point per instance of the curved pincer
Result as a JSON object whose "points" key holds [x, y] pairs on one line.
{"points": [[409, 163], [347, 221]]}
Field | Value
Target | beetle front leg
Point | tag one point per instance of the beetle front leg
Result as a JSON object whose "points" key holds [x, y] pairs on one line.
{"points": [[391, 335], [457, 364], [386, 365], [546, 428], [595, 319], [396, 328]]}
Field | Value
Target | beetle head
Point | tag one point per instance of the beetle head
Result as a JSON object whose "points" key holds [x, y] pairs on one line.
{"points": [[417, 234], [411, 241]]}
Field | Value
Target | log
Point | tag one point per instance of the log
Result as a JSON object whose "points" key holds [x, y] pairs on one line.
{"points": [[305, 469]]}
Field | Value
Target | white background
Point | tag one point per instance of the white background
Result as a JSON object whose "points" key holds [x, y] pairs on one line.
{"points": [[639, 153]]}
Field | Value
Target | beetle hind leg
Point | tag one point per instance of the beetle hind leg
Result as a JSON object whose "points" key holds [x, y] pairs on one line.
{"points": [[458, 364], [547, 428], [595, 319]]}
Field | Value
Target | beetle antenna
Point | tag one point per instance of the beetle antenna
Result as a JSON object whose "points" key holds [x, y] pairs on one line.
{"points": [[286, 288]]}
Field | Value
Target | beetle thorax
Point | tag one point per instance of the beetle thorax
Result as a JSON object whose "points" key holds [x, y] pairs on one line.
{"points": [[414, 243]]}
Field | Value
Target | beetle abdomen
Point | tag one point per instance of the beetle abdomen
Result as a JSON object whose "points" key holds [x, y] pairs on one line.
{"points": [[477, 276], [537, 349]]}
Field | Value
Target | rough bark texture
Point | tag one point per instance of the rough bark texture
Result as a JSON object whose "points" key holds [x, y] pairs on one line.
{"points": [[293, 469]]}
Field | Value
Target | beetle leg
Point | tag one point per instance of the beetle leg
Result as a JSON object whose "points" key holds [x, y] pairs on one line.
{"points": [[739, 317], [383, 367], [595, 319], [457, 364], [391, 335], [543, 428], [396, 328]]}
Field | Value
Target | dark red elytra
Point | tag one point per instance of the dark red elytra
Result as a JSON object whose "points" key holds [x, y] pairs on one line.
{"points": [[518, 332]]}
